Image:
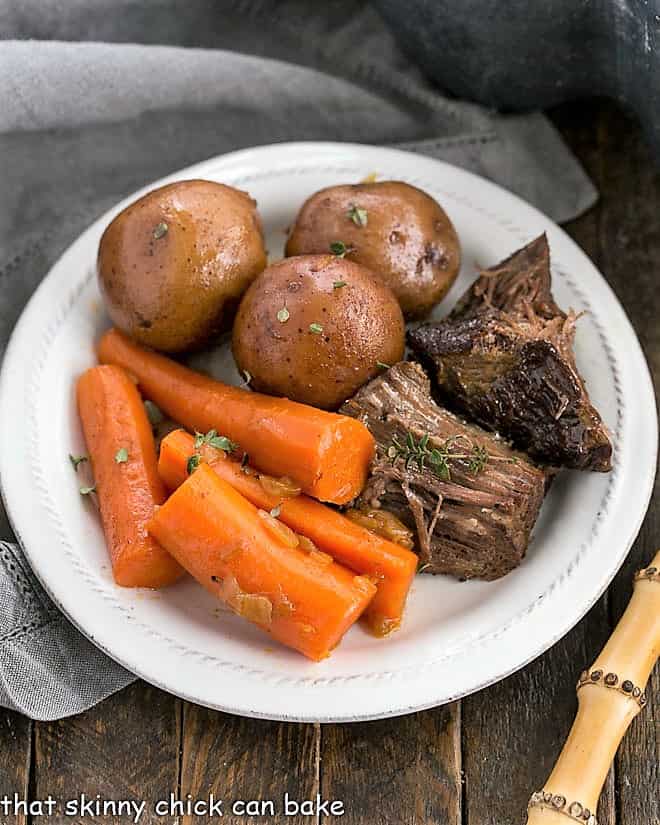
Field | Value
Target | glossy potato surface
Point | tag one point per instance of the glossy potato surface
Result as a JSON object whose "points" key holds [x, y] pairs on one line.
{"points": [[394, 229], [314, 328], [174, 264]]}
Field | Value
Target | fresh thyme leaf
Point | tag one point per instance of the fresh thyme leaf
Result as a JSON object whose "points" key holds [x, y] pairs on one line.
{"points": [[383, 365], [121, 456], [283, 315], [358, 215], [276, 511], [419, 454], [338, 248], [441, 467], [338, 284], [479, 459], [76, 460], [85, 491], [220, 442], [193, 463], [160, 230], [316, 329], [154, 414]]}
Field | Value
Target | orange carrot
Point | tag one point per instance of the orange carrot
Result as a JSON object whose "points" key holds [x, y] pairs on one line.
{"points": [[391, 566], [253, 562], [327, 454], [123, 458]]}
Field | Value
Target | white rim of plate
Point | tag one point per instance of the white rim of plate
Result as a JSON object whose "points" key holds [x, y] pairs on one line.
{"points": [[540, 615]]}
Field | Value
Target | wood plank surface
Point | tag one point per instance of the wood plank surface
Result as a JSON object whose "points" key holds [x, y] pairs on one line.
{"points": [[15, 756], [243, 760], [126, 748], [404, 771], [629, 257]]}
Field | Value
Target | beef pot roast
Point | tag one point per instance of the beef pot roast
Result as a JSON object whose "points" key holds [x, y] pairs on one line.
{"points": [[471, 500], [504, 358]]}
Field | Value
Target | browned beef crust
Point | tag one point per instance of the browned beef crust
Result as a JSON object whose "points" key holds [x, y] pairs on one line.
{"points": [[504, 358]]}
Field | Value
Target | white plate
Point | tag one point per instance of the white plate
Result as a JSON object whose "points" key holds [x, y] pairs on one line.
{"points": [[456, 638]]}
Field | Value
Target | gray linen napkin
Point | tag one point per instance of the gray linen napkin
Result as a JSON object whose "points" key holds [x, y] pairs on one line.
{"points": [[98, 97]]}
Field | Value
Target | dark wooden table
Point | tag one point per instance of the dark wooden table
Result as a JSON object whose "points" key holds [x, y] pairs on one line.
{"points": [[474, 762]]}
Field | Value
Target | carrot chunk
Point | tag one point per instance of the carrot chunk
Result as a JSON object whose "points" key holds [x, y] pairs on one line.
{"points": [[391, 567], [123, 459], [327, 454], [241, 555]]}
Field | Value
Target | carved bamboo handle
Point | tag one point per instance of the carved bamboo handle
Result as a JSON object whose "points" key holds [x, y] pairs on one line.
{"points": [[610, 695]]}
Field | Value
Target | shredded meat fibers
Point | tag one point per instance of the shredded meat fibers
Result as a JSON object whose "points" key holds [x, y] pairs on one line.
{"points": [[470, 524]]}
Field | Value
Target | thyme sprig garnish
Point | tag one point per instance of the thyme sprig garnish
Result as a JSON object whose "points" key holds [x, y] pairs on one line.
{"points": [[210, 439], [160, 230], [77, 460], [438, 458], [339, 249], [220, 442], [121, 456], [358, 215]]}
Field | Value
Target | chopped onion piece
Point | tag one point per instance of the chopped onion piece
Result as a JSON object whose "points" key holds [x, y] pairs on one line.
{"points": [[283, 606], [365, 583], [307, 628], [384, 524], [251, 606], [383, 627], [282, 487], [278, 529], [255, 608], [321, 557], [210, 455], [306, 544]]}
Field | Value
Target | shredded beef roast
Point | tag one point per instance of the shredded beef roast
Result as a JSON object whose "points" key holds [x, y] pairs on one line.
{"points": [[473, 521], [504, 358]]}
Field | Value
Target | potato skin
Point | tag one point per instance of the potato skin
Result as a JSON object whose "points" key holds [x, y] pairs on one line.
{"points": [[408, 240], [361, 324], [175, 290]]}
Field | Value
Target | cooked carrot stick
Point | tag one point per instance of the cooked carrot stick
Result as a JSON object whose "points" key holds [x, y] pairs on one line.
{"points": [[123, 458], [391, 566], [253, 562], [327, 454]]}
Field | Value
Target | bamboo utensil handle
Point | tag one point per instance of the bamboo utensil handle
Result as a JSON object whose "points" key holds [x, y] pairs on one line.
{"points": [[610, 695]]}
